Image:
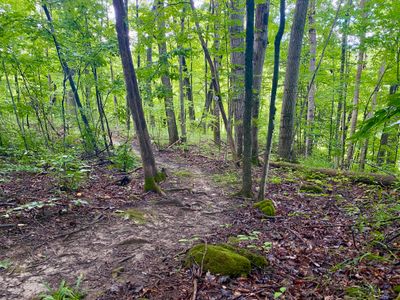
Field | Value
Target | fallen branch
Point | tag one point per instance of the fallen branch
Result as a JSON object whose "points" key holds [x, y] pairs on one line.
{"points": [[367, 178]]}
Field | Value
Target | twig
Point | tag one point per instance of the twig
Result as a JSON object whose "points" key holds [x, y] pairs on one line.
{"points": [[354, 239], [194, 296], [8, 225], [297, 235]]}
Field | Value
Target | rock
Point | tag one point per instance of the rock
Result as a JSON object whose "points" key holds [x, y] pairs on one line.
{"points": [[256, 260], [218, 260], [267, 207], [224, 259], [311, 189]]}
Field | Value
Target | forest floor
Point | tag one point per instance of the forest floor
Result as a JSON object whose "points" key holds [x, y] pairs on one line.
{"points": [[126, 244]]}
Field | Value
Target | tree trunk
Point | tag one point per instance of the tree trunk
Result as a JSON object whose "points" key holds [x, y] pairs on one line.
{"points": [[385, 152], [188, 89], [342, 91], [260, 46], [236, 30], [312, 35], [151, 175], [356, 97], [181, 92], [149, 58], [248, 100], [165, 76], [272, 109], [88, 131], [15, 109], [216, 84], [364, 149], [286, 133]]}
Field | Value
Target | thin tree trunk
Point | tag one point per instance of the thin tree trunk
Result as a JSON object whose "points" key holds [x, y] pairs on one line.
{"points": [[15, 109], [342, 90], [312, 35], [181, 91], [248, 101], [364, 149], [165, 76], [260, 47], [286, 133], [68, 73], [217, 59], [356, 98], [216, 85], [149, 58], [188, 89], [135, 102], [236, 30], [272, 110]]}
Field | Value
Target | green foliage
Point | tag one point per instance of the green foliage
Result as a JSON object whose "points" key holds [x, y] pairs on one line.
{"points": [[64, 292], [391, 114], [69, 170], [367, 292], [279, 293], [124, 158], [275, 180], [5, 264], [228, 178]]}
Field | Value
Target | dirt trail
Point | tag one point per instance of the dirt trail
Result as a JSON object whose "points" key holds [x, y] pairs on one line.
{"points": [[110, 250]]}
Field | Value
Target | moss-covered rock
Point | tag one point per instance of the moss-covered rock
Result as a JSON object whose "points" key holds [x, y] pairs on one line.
{"points": [[256, 260], [267, 207], [311, 189], [218, 260]]}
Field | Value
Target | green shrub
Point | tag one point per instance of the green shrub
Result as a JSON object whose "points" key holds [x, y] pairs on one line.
{"points": [[124, 159]]}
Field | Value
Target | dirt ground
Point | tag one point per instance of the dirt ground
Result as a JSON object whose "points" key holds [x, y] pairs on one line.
{"points": [[315, 250]]}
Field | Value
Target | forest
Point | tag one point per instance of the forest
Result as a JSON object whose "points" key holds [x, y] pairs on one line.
{"points": [[199, 149]]}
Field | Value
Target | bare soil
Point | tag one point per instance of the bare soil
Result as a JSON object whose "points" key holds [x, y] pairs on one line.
{"points": [[318, 247]]}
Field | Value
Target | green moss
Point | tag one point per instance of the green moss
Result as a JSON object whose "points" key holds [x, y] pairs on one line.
{"points": [[150, 184], [311, 188], [256, 260], [160, 176], [315, 175], [183, 173], [267, 207], [275, 180], [218, 260]]}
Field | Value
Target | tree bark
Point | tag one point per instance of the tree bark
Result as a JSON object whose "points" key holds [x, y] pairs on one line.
{"points": [[356, 97], [151, 175], [68, 74], [181, 91], [248, 100], [340, 125], [216, 84], [312, 35], [236, 30], [260, 47], [188, 89], [272, 109], [364, 149], [286, 133], [165, 76]]}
